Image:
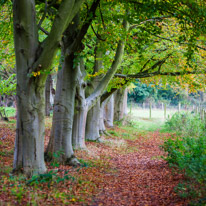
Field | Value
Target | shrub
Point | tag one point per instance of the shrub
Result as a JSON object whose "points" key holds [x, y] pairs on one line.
{"points": [[187, 153], [186, 124]]}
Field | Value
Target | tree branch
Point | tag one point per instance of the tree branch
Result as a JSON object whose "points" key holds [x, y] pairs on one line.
{"points": [[146, 75], [146, 64], [66, 12], [43, 30], [44, 15], [97, 35], [168, 39], [101, 15], [148, 20], [76, 45], [91, 100]]}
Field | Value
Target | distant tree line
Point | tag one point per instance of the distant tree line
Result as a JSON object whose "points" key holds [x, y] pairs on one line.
{"points": [[144, 93]]}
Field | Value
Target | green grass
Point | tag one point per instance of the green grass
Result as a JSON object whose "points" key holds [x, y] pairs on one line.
{"points": [[140, 118], [144, 124], [156, 113]]}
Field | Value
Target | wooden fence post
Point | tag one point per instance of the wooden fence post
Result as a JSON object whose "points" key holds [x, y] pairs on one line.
{"points": [[179, 107], [150, 110], [165, 110]]}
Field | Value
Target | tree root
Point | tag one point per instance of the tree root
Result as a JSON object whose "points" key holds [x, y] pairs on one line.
{"points": [[107, 134], [72, 161]]}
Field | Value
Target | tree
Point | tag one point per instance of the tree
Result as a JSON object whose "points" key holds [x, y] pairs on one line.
{"points": [[33, 60], [61, 134]]}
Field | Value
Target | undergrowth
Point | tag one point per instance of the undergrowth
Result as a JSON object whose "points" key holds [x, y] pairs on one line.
{"points": [[185, 125], [187, 153]]}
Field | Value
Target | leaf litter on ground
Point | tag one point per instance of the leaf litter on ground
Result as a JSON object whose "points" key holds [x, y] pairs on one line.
{"points": [[122, 170]]}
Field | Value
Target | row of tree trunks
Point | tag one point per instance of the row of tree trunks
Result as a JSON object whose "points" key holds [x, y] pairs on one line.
{"points": [[93, 123], [94, 96], [33, 58], [102, 114]]}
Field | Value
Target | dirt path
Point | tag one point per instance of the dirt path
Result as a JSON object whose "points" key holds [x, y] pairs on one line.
{"points": [[132, 174], [143, 178]]}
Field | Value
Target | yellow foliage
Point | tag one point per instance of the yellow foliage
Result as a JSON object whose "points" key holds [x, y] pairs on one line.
{"points": [[36, 73]]}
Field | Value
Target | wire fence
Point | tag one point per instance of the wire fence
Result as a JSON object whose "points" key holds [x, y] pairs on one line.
{"points": [[164, 110]]}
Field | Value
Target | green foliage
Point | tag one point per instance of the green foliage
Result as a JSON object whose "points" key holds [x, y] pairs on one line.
{"points": [[49, 178], [18, 191], [140, 92], [158, 93], [10, 111], [86, 163], [188, 153], [186, 125], [8, 84], [55, 158], [113, 133]]}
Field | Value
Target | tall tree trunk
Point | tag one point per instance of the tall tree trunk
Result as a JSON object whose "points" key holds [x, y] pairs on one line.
{"points": [[125, 102], [93, 122], [120, 104], [79, 126], [81, 110], [102, 128], [72, 43], [109, 112], [29, 143], [61, 133], [93, 117]]}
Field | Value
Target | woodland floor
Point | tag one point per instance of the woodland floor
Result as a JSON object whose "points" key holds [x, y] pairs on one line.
{"points": [[126, 169]]}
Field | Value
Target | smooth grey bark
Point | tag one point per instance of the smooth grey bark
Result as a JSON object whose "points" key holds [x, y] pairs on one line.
{"points": [[93, 116], [61, 133], [79, 128], [81, 109], [93, 122], [72, 43], [29, 143], [102, 128], [120, 109], [109, 112], [125, 102], [92, 99], [31, 56], [48, 95]]}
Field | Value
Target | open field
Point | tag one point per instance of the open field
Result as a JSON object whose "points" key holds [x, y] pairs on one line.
{"points": [[143, 121], [140, 113]]}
